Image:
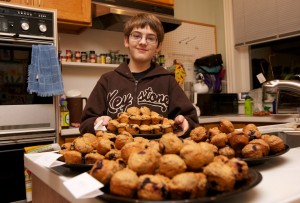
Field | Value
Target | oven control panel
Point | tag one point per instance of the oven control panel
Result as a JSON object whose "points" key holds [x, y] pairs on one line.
{"points": [[26, 21]]}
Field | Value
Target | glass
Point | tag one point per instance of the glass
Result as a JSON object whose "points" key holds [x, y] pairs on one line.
{"points": [[137, 36]]}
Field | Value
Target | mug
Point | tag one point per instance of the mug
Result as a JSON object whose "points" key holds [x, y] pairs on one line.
{"points": [[75, 106]]}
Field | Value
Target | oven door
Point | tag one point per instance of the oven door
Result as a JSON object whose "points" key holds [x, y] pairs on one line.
{"points": [[21, 111]]}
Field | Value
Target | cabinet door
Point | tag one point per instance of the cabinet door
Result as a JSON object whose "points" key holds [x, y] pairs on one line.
{"points": [[77, 11], [21, 2]]}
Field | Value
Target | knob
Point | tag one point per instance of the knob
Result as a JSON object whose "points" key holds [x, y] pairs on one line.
{"points": [[42, 27], [25, 26]]}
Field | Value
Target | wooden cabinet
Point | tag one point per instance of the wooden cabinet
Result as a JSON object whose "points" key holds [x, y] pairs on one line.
{"points": [[160, 2], [72, 16]]}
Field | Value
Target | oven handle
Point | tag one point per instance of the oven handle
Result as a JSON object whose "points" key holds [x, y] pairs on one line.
{"points": [[28, 140], [27, 42]]}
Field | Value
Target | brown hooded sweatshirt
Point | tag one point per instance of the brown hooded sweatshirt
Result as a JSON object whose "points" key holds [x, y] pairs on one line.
{"points": [[117, 90]]}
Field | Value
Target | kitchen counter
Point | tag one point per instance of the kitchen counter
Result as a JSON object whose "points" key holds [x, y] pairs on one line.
{"points": [[280, 181]]}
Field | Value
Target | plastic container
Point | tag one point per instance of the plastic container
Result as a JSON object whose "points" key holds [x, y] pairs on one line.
{"points": [[64, 115], [248, 106]]}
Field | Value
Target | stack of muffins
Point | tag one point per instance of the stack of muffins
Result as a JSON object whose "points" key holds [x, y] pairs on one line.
{"points": [[140, 121]]}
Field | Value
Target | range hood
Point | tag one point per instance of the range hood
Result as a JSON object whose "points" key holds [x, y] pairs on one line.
{"points": [[112, 14]]}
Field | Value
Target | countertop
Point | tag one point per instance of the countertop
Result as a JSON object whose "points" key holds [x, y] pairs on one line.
{"points": [[280, 181]]}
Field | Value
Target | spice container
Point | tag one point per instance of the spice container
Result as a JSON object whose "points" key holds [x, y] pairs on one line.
{"points": [[102, 58], [108, 59], [77, 56], [68, 55], [83, 57], [92, 57]]}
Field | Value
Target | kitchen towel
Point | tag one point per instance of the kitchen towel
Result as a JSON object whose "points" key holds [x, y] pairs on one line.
{"points": [[44, 72]]}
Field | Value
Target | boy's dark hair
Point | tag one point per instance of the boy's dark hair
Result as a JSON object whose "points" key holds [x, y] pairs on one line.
{"points": [[141, 20]]}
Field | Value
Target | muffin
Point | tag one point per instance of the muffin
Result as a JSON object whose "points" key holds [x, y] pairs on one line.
{"points": [[171, 165], [133, 111], [67, 146], [123, 117], [92, 138], [170, 144], [92, 157], [152, 187], [145, 110], [122, 127], [132, 129], [238, 140], [239, 168], [156, 118], [112, 125], [253, 150], [167, 128], [220, 140], [265, 145], [129, 148], [124, 183], [153, 144], [73, 157], [146, 129], [196, 156], [227, 151], [145, 119], [276, 143], [198, 134], [104, 145], [226, 126], [103, 170], [143, 141], [187, 185], [113, 154], [122, 139], [144, 161], [110, 136], [220, 176], [135, 119], [252, 131], [82, 145], [212, 132], [157, 129]]}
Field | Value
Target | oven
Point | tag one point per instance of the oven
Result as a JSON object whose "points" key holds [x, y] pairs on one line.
{"points": [[26, 119]]}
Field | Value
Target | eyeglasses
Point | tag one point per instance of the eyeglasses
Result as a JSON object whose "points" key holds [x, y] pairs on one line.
{"points": [[137, 36]]}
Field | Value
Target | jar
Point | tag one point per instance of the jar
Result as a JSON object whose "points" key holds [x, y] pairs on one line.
{"points": [[108, 59], [83, 57], [68, 55], [121, 58], [98, 58], [92, 57], [77, 56], [102, 58], [63, 59]]}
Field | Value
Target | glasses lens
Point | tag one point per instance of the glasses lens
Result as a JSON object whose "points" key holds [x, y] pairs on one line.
{"points": [[136, 36]]}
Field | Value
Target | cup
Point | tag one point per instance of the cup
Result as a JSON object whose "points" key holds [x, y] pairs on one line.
{"points": [[75, 106]]}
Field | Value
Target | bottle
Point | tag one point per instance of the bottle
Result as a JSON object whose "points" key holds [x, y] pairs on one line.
{"points": [[64, 115], [248, 106]]}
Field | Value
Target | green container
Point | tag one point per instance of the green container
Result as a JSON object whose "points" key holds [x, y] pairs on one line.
{"points": [[248, 106]]}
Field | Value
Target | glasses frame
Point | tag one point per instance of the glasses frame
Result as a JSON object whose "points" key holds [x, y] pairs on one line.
{"points": [[138, 39]]}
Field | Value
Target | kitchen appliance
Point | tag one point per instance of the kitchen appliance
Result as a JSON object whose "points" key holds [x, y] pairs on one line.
{"points": [[217, 104], [111, 15], [287, 95], [26, 119]]}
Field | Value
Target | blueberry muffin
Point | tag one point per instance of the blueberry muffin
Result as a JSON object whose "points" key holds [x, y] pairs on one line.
{"points": [[104, 145], [146, 129], [226, 126], [227, 151], [144, 161], [252, 131], [265, 145], [123, 117], [170, 144], [253, 150], [83, 145], [73, 157], [110, 136], [187, 185], [133, 111], [152, 187], [135, 119], [167, 128], [122, 127], [132, 129], [171, 165], [103, 170], [145, 119], [196, 156], [276, 143], [145, 110], [212, 132], [220, 176], [129, 148], [153, 144], [238, 140], [124, 183], [220, 140], [113, 154], [92, 138], [198, 134], [239, 168], [157, 129], [92, 157], [156, 118], [122, 139], [112, 125]]}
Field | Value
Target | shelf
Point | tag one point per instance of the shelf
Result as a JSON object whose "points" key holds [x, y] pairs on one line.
{"points": [[93, 65]]}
